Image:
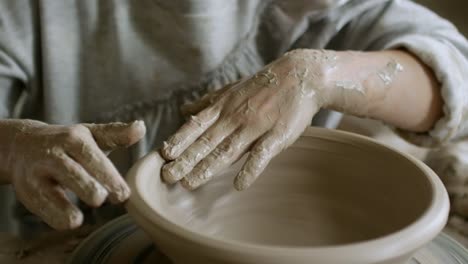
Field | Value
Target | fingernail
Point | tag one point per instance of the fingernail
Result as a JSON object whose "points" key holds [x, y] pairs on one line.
{"points": [[169, 173], [189, 184], [241, 182], [196, 178], [121, 194], [75, 219], [66, 220], [169, 151]]}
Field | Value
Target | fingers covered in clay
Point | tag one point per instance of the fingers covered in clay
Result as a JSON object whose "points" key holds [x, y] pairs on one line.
{"points": [[96, 163], [180, 167], [226, 153], [189, 132], [258, 158], [70, 174], [269, 101], [113, 135], [48, 200], [267, 112], [45, 160]]}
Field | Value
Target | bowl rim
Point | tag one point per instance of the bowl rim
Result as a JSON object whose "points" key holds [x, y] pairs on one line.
{"points": [[401, 242]]}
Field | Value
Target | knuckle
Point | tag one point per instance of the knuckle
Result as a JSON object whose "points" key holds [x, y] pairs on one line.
{"points": [[196, 122], [201, 171], [206, 141], [238, 117], [76, 133], [57, 154], [260, 151], [224, 150], [190, 157]]}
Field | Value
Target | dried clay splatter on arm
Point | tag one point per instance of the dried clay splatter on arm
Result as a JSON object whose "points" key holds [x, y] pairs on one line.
{"points": [[266, 113]]}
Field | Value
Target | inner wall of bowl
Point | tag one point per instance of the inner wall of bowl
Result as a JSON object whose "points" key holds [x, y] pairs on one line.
{"points": [[320, 192]]}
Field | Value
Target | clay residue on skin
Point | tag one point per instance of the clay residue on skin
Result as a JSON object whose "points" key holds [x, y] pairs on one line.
{"points": [[116, 135], [248, 108], [45, 160], [266, 78], [249, 171], [322, 57], [273, 106], [189, 132], [298, 78], [350, 85], [390, 71], [310, 65]]}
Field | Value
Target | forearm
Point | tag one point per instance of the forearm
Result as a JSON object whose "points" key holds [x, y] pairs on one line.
{"points": [[392, 86]]}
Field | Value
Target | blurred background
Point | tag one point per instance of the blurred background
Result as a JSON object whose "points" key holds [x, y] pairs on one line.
{"points": [[454, 10]]}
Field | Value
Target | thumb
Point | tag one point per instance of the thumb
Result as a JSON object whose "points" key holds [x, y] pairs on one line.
{"points": [[113, 135]]}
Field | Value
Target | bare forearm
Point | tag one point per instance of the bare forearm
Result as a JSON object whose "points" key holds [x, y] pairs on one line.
{"points": [[413, 101], [392, 86]]}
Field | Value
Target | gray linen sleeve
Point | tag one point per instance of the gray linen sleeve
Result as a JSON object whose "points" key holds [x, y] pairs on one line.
{"points": [[396, 24], [17, 56]]}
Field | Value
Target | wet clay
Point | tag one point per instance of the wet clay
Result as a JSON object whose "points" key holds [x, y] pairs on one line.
{"points": [[329, 198]]}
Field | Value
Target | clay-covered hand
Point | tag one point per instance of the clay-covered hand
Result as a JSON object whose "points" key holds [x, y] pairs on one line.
{"points": [[42, 161], [261, 115], [265, 113]]}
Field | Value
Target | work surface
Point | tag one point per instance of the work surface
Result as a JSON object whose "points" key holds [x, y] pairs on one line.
{"points": [[56, 247]]}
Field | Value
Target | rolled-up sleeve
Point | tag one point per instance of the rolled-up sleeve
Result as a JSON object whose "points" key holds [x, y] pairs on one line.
{"points": [[396, 24]]}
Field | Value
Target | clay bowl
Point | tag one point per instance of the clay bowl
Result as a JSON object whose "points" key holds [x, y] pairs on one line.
{"points": [[333, 197]]}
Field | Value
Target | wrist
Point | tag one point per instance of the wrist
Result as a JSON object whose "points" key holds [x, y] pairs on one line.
{"points": [[315, 69], [10, 129], [342, 79]]}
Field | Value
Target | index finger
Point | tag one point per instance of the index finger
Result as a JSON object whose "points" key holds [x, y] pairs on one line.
{"points": [[189, 132]]}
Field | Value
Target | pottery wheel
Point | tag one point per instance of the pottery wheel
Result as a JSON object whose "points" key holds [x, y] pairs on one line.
{"points": [[121, 241]]}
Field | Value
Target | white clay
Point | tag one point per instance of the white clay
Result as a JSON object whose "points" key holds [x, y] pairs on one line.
{"points": [[391, 70]]}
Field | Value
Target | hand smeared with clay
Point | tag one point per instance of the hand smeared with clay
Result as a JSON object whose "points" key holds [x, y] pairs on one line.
{"points": [[44, 160], [261, 115]]}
